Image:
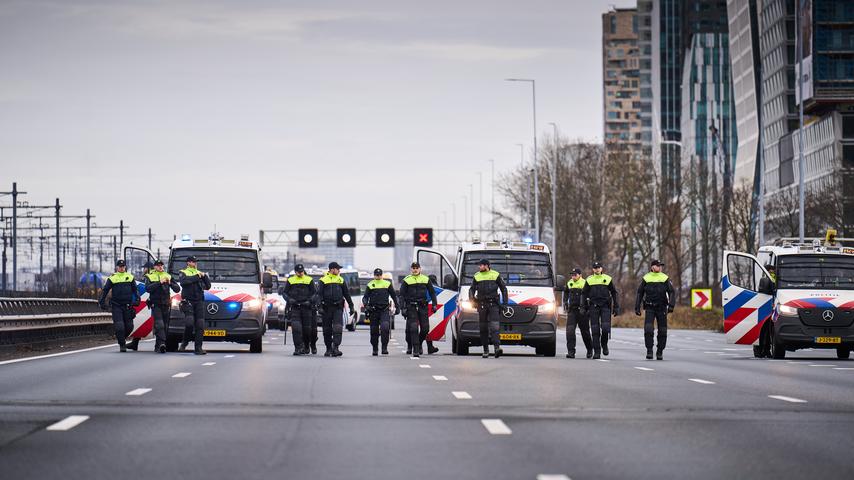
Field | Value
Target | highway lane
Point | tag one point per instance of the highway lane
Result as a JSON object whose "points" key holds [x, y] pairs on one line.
{"points": [[706, 411]]}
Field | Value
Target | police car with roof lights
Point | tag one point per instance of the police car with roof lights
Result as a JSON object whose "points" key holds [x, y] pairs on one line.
{"points": [[805, 301], [527, 270], [235, 306]]}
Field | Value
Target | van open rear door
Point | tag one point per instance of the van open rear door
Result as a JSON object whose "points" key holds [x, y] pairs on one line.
{"points": [[434, 263], [136, 257], [745, 309]]}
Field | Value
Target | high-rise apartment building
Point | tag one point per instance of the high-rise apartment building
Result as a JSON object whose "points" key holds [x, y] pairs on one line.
{"points": [[621, 95]]}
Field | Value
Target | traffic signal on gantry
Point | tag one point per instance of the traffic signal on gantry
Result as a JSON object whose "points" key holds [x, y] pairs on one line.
{"points": [[385, 237], [422, 237], [345, 237], [307, 237]]}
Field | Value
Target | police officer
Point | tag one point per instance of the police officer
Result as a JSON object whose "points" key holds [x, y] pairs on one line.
{"points": [[299, 292], [484, 293], [601, 301], [576, 315], [193, 286], [157, 284], [378, 292], [656, 294], [332, 292], [415, 290], [430, 348], [123, 297]]}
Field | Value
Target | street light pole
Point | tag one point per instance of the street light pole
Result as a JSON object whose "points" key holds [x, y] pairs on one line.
{"points": [[492, 190], [480, 204], [554, 197], [536, 175], [801, 193], [526, 223]]}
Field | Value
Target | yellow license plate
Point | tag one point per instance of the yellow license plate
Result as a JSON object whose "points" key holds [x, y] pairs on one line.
{"points": [[828, 339], [214, 333], [367, 320], [510, 336]]}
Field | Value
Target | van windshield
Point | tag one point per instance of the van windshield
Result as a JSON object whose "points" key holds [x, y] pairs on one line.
{"points": [[518, 268], [230, 265], [815, 271]]}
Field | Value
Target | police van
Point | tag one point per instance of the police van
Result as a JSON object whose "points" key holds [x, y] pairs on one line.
{"points": [[235, 306], [275, 303], [531, 318], [807, 303]]}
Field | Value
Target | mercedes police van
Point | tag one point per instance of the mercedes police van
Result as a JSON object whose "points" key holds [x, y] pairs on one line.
{"points": [[530, 320], [810, 303], [235, 306]]}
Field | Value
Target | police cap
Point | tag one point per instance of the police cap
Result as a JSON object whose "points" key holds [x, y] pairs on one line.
{"points": [[334, 265], [120, 263], [378, 272], [299, 267], [597, 265]]}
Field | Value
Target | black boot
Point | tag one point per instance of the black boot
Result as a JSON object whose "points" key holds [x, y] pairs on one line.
{"points": [[498, 352], [199, 351], [589, 353], [375, 353], [431, 349], [298, 352], [385, 350], [314, 349], [336, 352], [571, 354], [161, 348], [605, 348], [485, 354], [659, 354], [123, 348], [327, 353], [183, 347], [649, 354], [597, 354], [409, 350], [134, 344]]}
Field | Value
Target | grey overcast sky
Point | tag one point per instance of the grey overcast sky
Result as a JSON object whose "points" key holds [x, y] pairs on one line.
{"points": [[279, 114]]}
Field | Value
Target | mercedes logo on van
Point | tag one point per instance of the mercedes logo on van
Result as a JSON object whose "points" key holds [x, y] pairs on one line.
{"points": [[827, 315], [508, 312], [213, 308]]}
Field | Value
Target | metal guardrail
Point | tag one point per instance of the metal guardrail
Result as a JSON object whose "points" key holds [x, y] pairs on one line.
{"points": [[34, 320]]}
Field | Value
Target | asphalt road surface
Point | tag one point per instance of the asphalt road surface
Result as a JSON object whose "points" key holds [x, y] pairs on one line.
{"points": [[709, 410]]}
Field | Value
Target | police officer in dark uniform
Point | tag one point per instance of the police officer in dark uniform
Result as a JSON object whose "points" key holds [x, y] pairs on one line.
{"points": [[157, 284], [124, 296], [193, 286], [484, 293], [299, 292], [332, 292], [415, 290], [656, 294], [601, 300], [378, 293], [576, 315]]}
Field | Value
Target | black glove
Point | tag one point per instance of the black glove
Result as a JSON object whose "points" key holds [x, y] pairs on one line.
{"points": [[616, 311], [582, 311], [435, 307], [669, 309], [104, 306], [637, 312], [135, 303], [396, 310]]}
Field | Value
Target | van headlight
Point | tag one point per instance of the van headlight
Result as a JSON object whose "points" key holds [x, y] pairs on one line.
{"points": [[546, 307], [252, 304], [468, 306], [786, 310]]}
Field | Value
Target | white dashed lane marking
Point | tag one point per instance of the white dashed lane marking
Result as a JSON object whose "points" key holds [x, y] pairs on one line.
{"points": [[440, 378], [787, 399], [645, 369], [700, 380], [462, 395], [181, 375], [137, 392], [552, 477], [68, 423], [843, 368], [229, 356], [424, 366], [822, 365], [495, 426], [208, 364]]}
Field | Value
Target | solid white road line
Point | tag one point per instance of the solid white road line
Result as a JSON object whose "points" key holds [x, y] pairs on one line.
{"points": [[208, 364], [68, 423], [552, 477], [602, 360], [645, 369], [822, 365], [495, 426], [462, 395], [424, 366], [843, 368], [229, 356], [17, 360], [787, 399], [440, 378], [700, 380], [137, 392], [181, 375]]}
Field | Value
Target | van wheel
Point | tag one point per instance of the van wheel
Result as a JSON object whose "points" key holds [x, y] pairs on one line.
{"points": [[462, 347], [255, 345], [843, 352], [453, 345], [778, 350], [171, 343], [547, 350]]}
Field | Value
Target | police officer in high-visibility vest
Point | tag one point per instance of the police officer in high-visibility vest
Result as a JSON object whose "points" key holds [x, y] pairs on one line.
{"points": [[576, 315], [656, 294], [123, 297], [379, 294], [157, 284], [332, 292], [600, 298], [299, 292], [193, 285], [484, 293], [415, 289]]}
